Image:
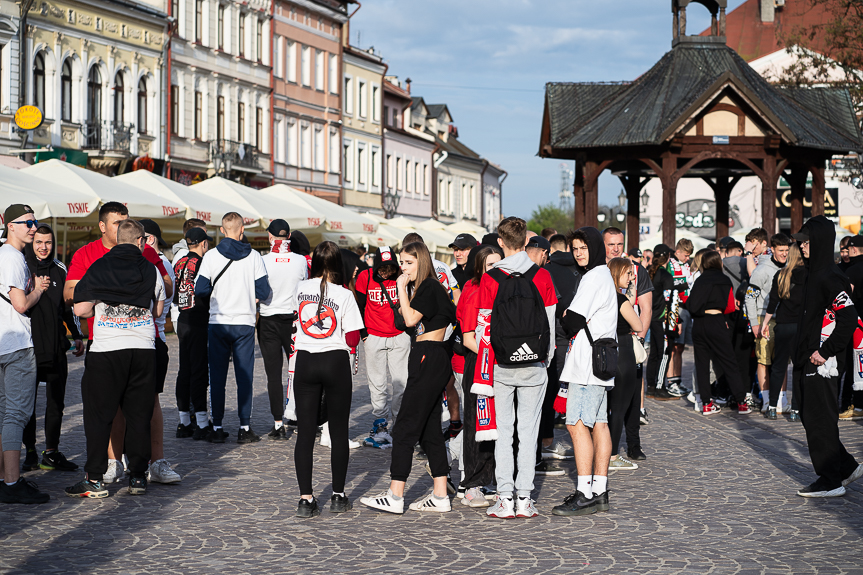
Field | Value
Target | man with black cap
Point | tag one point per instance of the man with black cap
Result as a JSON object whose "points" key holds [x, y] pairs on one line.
{"points": [[19, 292], [461, 246], [537, 249], [635, 255], [828, 320], [277, 315], [191, 327]]}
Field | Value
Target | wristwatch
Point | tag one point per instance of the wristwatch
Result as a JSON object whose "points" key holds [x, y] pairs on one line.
{"points": [[747, 254]]}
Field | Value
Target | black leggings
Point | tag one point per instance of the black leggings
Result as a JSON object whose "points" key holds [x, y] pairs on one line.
{"points": [[419, 419], [54, 375], [783, 334], [624, 399], [274, 339], [316, 373], [654, 359], [478, 455], [711, 340]]}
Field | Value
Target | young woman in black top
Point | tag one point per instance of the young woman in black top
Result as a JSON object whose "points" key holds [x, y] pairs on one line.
{"points": [[711, 299], [785, 306], [624, 399], [426, 306], [663, 290]]}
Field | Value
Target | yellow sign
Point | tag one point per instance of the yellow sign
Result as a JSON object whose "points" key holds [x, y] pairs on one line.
{"points": [[28, 117]]}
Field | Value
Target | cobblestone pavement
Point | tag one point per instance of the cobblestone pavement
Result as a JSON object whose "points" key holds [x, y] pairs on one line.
{"points": [[716, 495]]}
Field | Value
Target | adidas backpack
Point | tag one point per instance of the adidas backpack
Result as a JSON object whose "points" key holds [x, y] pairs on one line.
{"points": [[519, 332]]}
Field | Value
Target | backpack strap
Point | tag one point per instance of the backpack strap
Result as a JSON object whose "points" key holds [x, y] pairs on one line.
{"points": [[589, 337], [531, 273], [497, 275]]}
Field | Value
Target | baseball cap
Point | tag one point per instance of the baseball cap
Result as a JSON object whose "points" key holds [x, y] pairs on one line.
{"points": [[723, 243], [279, 228], [197, 235], [490, 239], [538, 242], [635, 253], [855, 242], [151, 228], [463, 242], [802, 235], [12, 213], [661, 250]]}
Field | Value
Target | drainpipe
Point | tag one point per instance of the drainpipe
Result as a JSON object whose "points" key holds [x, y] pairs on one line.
{"points": [[383, 142], [166, 90], [272, 121], [22, 52], [500, 184], [482, 189]]}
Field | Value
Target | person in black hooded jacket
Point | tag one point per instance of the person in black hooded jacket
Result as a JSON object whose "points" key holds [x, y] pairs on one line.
{"points": [[828, 320], [50, 343]]}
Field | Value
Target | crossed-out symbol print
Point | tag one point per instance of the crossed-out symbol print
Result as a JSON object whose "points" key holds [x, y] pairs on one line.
{"points": [[317, 321]]}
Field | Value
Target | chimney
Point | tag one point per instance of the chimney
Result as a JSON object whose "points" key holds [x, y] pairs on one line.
{"points": [[768, 10], [408, 84]]}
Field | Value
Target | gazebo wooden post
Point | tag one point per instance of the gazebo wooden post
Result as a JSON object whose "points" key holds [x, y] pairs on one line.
{"points": [[796, 177], [578, 194], [669, 199], [591, 192], [768, 195], [818, 186], [722, 186], [633, 186]]}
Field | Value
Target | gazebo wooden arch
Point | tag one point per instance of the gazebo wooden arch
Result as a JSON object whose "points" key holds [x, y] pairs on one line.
{"points": [[700, 112]]}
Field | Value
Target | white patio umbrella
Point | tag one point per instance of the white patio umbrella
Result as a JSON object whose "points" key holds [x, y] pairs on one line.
{"points": [[141, 203], [231, 194], [47, 198], [333, 216], [272, 204]]}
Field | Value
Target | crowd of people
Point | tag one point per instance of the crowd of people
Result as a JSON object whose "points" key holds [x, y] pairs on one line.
{"points": [[475, 364]]}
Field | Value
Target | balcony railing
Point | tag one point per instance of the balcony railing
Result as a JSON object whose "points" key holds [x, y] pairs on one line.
{"points": [[107, 135], [227, 154]]}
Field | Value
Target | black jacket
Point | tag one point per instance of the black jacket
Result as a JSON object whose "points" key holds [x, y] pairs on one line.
{"points": [[788, 310], [48, 316], [827, 294], [854, 271], [565, 275], [712, 291]]}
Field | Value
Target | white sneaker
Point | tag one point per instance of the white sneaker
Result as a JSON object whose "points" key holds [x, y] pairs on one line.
{"points": [[524, 507], [384, 502], [474, 497], [855, 475], [431, 503], [115, 472], [325, 442], [698, 404], [503, 508], [160, 472]]}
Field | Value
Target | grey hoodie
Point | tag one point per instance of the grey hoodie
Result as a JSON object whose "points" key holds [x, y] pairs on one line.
{"points": [[535, 373], [758, 293]]}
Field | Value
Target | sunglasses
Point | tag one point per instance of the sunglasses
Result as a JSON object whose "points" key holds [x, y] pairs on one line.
{"points": [[30, 223]]}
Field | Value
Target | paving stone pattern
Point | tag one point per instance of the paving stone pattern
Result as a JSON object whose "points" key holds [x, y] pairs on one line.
{"points": [[716, 495]]}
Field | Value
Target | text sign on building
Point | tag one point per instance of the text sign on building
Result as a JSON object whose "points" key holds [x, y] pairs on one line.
{"points": [[28, 117], [721, 140], [783, 203]]}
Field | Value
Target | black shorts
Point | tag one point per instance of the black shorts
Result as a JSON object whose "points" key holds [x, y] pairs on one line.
{"points": [[162, 359]]}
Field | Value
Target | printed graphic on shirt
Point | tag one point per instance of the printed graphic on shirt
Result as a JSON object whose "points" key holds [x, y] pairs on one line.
{"points": [[123, 316], [376, 295], [186, 285], [317, 325]]}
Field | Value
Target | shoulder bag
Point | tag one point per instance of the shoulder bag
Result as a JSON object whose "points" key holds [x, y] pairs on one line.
{"points": [[604, 354]]}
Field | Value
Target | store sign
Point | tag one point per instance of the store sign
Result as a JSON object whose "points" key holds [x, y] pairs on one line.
{"points": [[28, 117], [76, 157], [783, 203]]}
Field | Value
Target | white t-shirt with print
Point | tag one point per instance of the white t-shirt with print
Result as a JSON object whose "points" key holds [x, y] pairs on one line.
{"points": [[232, 301], [285, 271], [15, 331], [444, 276], [339, 315], [596, 301], [117, 327], [160, 321]]}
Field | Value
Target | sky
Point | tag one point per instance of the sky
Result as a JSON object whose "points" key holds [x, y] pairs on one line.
{"points": [[489, 61]]}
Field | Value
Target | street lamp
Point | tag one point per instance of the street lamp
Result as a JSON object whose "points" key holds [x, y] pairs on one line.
{"points": [[645, 199], [391, 203]]}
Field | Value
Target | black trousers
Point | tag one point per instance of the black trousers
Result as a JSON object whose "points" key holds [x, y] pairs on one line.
{"points": [[624, 399], [193, 375], [54, 375], [546, 416], [819, 411], [711, 340], [419, 419], [274, 339], [783, 334], [124, 379], [848, 396], [316, 373], [654, 358], [162, 361], [478, 456]]}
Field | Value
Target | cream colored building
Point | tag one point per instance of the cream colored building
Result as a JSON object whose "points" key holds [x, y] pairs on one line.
{"points": [[362, 136], [95, 68]]}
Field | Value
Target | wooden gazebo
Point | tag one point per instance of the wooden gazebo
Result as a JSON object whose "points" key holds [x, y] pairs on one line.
{"points": [[700, 112]]}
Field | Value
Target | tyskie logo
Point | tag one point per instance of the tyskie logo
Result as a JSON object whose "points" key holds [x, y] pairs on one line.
{"points": [[523, 353]]}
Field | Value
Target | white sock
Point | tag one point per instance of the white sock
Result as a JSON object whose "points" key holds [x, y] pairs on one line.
{"points": [[393, 495], [600, 482], [583, 485], [342, 494], [782, 399], [217, 427], [244, 427], [10, 484], [185, 418], [765, 398], [201, 419], [278, 424]]}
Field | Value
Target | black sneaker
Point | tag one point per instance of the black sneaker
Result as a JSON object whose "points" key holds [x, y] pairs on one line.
{"points": [[56, 461], [650, 391], [546, 467], [87, 488], [770, 414], [184, 431], [202, 432], [217, 435], [636, 454], [138, 485], [820, 489], [601, 501], [278, 434], [31, 460], [338, 504], [576, 504], [291, 422], [307, 508], [663, 395], [643, 419], [421, 454], [22, 491], [249, 436]]}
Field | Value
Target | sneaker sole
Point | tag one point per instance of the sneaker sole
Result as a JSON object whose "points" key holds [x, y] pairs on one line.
{"points": [[501, 516], [838, 492], [576, 512], [855, 475], [633, 468], [602, 507], [476, 503], [526, 516], [314, 513], [89, 495], [550, 473], [557, 456], [345, 510], [137, 490], [431, 509], [166, 481], [371, 505]]}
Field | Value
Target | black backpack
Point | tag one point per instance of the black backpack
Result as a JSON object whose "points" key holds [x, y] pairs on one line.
{"points": [[519, 324]]}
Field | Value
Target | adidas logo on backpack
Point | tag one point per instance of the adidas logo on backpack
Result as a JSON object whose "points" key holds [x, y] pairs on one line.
{"points": [[524, 353]]}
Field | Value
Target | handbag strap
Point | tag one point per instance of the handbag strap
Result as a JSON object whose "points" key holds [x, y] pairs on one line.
{"points": [[221, 273], [589, 337], [387, 295]]}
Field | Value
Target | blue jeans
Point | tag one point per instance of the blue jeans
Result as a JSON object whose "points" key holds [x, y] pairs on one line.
{"points": [[223, 340]]}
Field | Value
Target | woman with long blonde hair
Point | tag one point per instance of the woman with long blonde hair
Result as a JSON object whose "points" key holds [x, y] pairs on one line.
{"points": [[785, 305]]}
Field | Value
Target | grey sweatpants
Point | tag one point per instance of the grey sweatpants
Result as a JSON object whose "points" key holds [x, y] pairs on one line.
{"points": [[383, 353], [17, 395], [455, 444], [529, 411]]}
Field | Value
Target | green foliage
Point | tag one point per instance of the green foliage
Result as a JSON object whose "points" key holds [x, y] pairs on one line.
{"points": [[550, 216]]}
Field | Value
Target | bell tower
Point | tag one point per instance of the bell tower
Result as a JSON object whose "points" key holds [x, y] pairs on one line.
{"points": [[717, 21]]}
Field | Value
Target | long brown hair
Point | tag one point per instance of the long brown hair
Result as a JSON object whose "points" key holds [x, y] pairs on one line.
{"points": [[425, 268], [795, 260], [618, 267], [479, 262], [327, 265], [658, 262]]}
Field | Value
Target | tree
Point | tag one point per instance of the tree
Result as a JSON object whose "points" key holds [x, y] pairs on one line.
{"points": [[549, 216]]}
